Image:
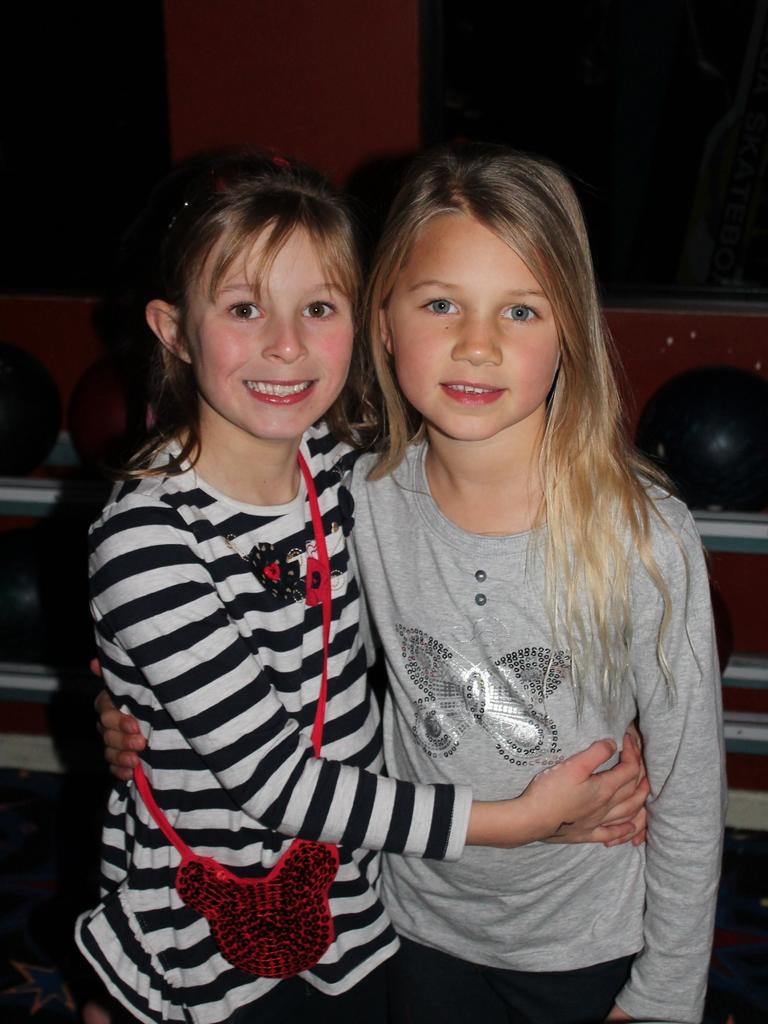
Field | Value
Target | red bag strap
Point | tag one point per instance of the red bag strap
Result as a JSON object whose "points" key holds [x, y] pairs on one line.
{"points": [[323, 590], [160, 819], [325, 596]]}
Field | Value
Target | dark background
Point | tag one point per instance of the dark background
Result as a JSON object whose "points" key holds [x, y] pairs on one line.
{"points": [[659, 111]]}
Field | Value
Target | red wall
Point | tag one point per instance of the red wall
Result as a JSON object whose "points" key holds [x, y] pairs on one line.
{"points": [[335, 84], [654, 345]]}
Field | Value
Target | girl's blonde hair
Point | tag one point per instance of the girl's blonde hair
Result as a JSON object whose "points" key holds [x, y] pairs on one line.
{"points": [[223, 205], [595, 500]]}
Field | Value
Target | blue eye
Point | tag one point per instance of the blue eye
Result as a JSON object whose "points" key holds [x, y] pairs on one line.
{"points": [[245, 311], [318, 310], [520, 313], [441, 306]]}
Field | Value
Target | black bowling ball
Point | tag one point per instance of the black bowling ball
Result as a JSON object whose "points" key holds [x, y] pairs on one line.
{"points": [[44, 593], [708, 429], [30, 411], [23, 634]]}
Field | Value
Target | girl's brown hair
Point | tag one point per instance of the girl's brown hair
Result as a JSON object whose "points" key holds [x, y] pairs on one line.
{"points": [[227, 201], [595, 501]]}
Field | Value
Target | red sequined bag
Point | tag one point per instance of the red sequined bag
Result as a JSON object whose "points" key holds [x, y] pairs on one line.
{"points": [[280, 925]]}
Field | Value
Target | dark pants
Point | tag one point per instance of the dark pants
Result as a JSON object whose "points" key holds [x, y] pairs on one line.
{"points": [[427, 985], [295, 1002]]}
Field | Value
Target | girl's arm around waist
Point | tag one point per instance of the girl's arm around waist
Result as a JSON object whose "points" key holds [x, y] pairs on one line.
{"points": [[158, 614]]}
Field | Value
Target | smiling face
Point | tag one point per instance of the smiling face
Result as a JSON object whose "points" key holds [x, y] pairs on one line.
{"points": [[267, 361], [473, 337]]}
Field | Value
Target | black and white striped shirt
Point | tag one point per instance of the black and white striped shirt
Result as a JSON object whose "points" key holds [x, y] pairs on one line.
{"points": [[222, 666]]}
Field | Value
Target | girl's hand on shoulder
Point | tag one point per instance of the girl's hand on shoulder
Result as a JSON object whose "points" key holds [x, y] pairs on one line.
{"points": [[576, 804], [122, 737]]}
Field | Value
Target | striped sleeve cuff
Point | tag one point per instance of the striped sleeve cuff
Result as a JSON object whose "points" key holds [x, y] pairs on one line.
{"points": [[457, 836], [439, 822]]}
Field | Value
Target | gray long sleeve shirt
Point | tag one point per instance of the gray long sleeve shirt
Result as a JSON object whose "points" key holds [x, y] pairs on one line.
{"points": [[478, 695]]}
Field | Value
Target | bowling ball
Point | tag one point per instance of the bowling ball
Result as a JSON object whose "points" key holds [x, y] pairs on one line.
{"points": [[708, 429], [22, 621], [30, 411], [98, 414], [44, 593]]}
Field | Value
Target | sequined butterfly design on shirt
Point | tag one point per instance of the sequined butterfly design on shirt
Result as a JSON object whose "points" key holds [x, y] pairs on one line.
{"points": [[504, 697]]}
